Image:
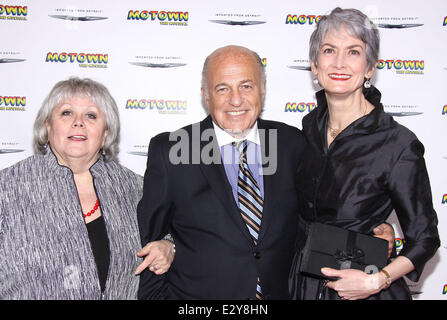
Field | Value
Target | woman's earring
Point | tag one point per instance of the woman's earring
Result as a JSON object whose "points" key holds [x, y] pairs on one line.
{"points": [[315, 81], [367, 84]]}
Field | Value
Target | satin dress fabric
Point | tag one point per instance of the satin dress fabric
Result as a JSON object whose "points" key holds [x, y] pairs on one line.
{"points": [[373, 166]]}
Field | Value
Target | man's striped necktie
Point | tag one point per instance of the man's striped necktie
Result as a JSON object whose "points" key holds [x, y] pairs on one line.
{"points": [[250, 200]]}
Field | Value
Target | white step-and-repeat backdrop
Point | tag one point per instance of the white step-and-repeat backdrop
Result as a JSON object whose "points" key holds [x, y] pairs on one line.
{"points": [[150, 54]]}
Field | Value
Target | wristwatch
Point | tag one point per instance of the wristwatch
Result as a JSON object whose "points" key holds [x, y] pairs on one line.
{"points": [[388, 277]]}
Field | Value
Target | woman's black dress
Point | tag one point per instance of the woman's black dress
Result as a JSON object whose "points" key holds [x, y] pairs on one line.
{"points": [[373, 166]]}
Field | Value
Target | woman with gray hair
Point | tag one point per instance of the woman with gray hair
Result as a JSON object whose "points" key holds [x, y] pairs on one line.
{"points": [[360, 165], [68, 224]]}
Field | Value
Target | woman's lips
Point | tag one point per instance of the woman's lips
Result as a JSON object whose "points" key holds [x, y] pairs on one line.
{"points": [[339, 76], [77, 138]]}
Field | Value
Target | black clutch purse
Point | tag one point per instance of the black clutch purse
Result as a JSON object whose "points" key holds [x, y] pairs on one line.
{"points": [[338, 248]]}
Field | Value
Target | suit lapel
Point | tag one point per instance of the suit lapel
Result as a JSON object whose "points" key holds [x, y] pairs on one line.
{"points": [[217, 178], [269, 180]]}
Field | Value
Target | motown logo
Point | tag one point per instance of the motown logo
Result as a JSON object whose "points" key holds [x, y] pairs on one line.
{"points": [[402, 66], [444, 109], [302, 19], [444, 199], [399, 242], [176, 18], [12, 103], [85, 60], [13, 12], [162, 106], [299, 107]]}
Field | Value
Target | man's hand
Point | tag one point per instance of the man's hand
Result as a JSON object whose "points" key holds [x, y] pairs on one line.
{"points": [[385, 232], [158, 256]]}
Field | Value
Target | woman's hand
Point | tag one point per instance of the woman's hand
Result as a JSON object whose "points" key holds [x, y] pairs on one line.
{"points": [[158, 256], [355, 284]]}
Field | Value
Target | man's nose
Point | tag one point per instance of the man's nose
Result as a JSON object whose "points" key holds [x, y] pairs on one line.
{"points": [[236, 98]]}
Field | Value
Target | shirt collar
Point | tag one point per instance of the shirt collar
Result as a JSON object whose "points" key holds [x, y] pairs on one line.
{"points": [[97, 169], [224, 138]]}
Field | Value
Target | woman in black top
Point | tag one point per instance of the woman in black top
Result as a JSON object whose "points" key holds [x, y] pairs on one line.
{"points": [[68, 222], [361, 164]]}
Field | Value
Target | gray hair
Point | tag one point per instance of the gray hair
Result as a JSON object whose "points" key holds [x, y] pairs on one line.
{"points": [[239, 49], [356, 24], [75, 87]]}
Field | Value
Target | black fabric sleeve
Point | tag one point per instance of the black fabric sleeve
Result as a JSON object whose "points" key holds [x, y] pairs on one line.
{"points": [[154, 212], [412, 200]]}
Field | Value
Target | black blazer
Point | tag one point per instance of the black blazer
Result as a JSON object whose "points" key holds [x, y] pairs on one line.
{"points": [[215, 255]]}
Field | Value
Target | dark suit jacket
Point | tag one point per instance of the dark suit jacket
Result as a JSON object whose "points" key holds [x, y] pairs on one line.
{"points": [[215, 255]]}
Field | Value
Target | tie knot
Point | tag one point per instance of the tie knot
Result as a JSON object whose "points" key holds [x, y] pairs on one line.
{"points": [[241, 146]]}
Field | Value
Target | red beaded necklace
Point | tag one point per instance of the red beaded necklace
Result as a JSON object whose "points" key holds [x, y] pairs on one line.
{"points": [[93, 210]]}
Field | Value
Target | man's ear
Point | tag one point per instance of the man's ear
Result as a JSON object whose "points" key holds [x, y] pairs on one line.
{"points": [[205, 98], [265, 88]]}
